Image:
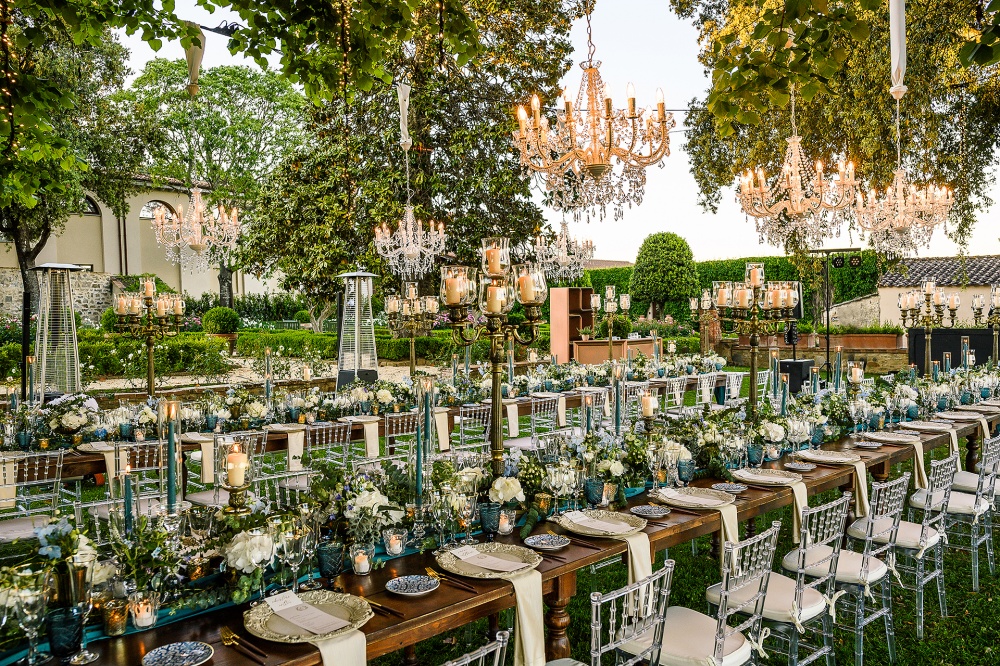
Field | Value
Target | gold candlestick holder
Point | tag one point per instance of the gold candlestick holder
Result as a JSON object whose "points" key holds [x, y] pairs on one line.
{"points": [[237, 500]]}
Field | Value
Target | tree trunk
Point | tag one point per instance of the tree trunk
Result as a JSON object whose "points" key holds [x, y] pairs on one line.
{"points": [[225, 286]]}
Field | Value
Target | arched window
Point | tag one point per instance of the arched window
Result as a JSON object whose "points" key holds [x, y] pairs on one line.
{"points": [[150, 207], [90, 207]]}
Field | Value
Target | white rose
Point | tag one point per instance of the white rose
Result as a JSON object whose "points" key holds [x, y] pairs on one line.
{"points": [[616, 468], [505, 489], [384, 396], [603, 466], [683, 453]]}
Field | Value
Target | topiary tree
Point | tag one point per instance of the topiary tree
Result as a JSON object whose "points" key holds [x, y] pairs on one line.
{"points": [[221, 320], [665, 275]]}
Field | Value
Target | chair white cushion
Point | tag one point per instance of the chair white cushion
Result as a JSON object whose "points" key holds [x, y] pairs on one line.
{"points": [[959, 503], [207, 498], [907, 536], [848, 565], [689, 640], [778, 600], [146, 505], [966, 482], [523, 443], [22, 527]]}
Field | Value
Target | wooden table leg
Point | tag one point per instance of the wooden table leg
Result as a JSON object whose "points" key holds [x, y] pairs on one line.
{"points": [[881, 471], [752, 527], [972, 457], [410, 655], [557, 619], [494, 626]]}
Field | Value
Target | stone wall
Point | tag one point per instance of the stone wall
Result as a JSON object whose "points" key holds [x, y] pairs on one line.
{"points": [[91, 293], [881, 361], [863, 311]]}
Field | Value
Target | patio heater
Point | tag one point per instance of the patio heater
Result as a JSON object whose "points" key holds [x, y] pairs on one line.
{"points": [[55, 337], [357, 358]]}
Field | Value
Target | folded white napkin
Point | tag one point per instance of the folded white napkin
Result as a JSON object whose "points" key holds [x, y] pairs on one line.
{"points": [[800, 501], [349, 649], [750, 476], [109, 461], [8, 483], [861, 508], [919, 473], [729, 519], [529, 633], [707, 502], [207, 460], [296, 444], [443, 432], [371, 438], [513, 427]]}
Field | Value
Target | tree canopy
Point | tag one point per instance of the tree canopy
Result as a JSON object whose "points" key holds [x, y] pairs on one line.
{"points": [[350, 175], [665, 274], [841, 72]]}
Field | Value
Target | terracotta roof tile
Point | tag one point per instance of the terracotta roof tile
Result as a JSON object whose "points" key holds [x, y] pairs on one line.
{"points": [[946, 271]]}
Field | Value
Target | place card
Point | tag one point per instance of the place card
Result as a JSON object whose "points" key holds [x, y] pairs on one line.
{"points": [[582, 519], [472, 556], [287, 605]]}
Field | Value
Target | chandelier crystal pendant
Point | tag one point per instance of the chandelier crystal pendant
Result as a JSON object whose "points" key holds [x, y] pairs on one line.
{"points": [[190, 236], [563, 260], [409, 250], [594, 156], [803, 202]]}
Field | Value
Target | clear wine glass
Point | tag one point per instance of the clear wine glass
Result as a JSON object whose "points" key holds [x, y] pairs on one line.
{"points": [[81, 579], [855, 410], [468, 513], [291, 550], [32, 586], [311, 518], [441, 513]]}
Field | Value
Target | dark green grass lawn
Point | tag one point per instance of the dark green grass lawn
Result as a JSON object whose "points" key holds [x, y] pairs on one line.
{"points": [[969, 635]]}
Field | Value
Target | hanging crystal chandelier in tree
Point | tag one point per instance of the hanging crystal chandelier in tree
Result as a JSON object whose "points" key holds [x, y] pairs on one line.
{"points": [[802, 204], [191, 237], [594, 156], [409, 250], [563, 260], [903, 218]]}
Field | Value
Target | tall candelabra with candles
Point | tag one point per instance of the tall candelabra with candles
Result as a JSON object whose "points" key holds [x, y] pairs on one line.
{"points": [[146, 316], [926, 309], [753, 308], [411, 316], [496, 290], [992, 318], [610, 304]]}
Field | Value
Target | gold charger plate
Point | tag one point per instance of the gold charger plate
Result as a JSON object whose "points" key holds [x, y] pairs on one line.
{"points": [[635, 523], [504, 551], [262, 622]]}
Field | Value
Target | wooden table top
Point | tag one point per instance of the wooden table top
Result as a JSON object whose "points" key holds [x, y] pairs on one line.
{"points": [[450, 607]]}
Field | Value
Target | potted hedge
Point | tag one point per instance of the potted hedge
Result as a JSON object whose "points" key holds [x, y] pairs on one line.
{"points": [[222, 323]]}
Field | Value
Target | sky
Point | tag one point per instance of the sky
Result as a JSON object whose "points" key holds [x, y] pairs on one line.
{"points": [[642, 42]]}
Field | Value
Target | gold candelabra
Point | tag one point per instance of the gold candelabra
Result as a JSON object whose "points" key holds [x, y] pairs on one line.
{"points": [[411, 316], [498, 288], [992, 317], [752, 308], [610, 306], [144, 316], [927, 311]]}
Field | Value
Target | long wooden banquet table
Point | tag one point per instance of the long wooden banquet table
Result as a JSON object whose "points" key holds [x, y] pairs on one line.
{"points": [[449, 607]]}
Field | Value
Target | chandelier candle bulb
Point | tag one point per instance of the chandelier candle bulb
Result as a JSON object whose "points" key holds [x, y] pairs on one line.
{"points": [[236, 467], [630, 94]]}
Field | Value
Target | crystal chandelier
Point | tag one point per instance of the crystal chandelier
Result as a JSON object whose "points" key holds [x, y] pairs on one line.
{"points": [[189, 237], [802, 203], [564, 259], [409, 250], [905, 216], [594, 156]]}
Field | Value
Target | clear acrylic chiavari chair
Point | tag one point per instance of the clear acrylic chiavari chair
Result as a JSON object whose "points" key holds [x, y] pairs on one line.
{"points": [[627, 625], [491, 654], [693, 637], [473, 428], [916, 541], [969, 516], [30, 492], [796, 606]]}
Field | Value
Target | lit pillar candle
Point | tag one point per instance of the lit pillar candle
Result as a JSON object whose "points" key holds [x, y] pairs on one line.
{"points": [[947, 361], [936, 365], [493, 261], [814, 379], [527, 287], [723, 297], [648, 405], [307, 374], [756, 276], [504, 522], [954, 301], [743, 298], [178, 306], [161, 308], [494, 299], [149, 288], [452, 291], [170, 414], [236, 467], [361, 563]]}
